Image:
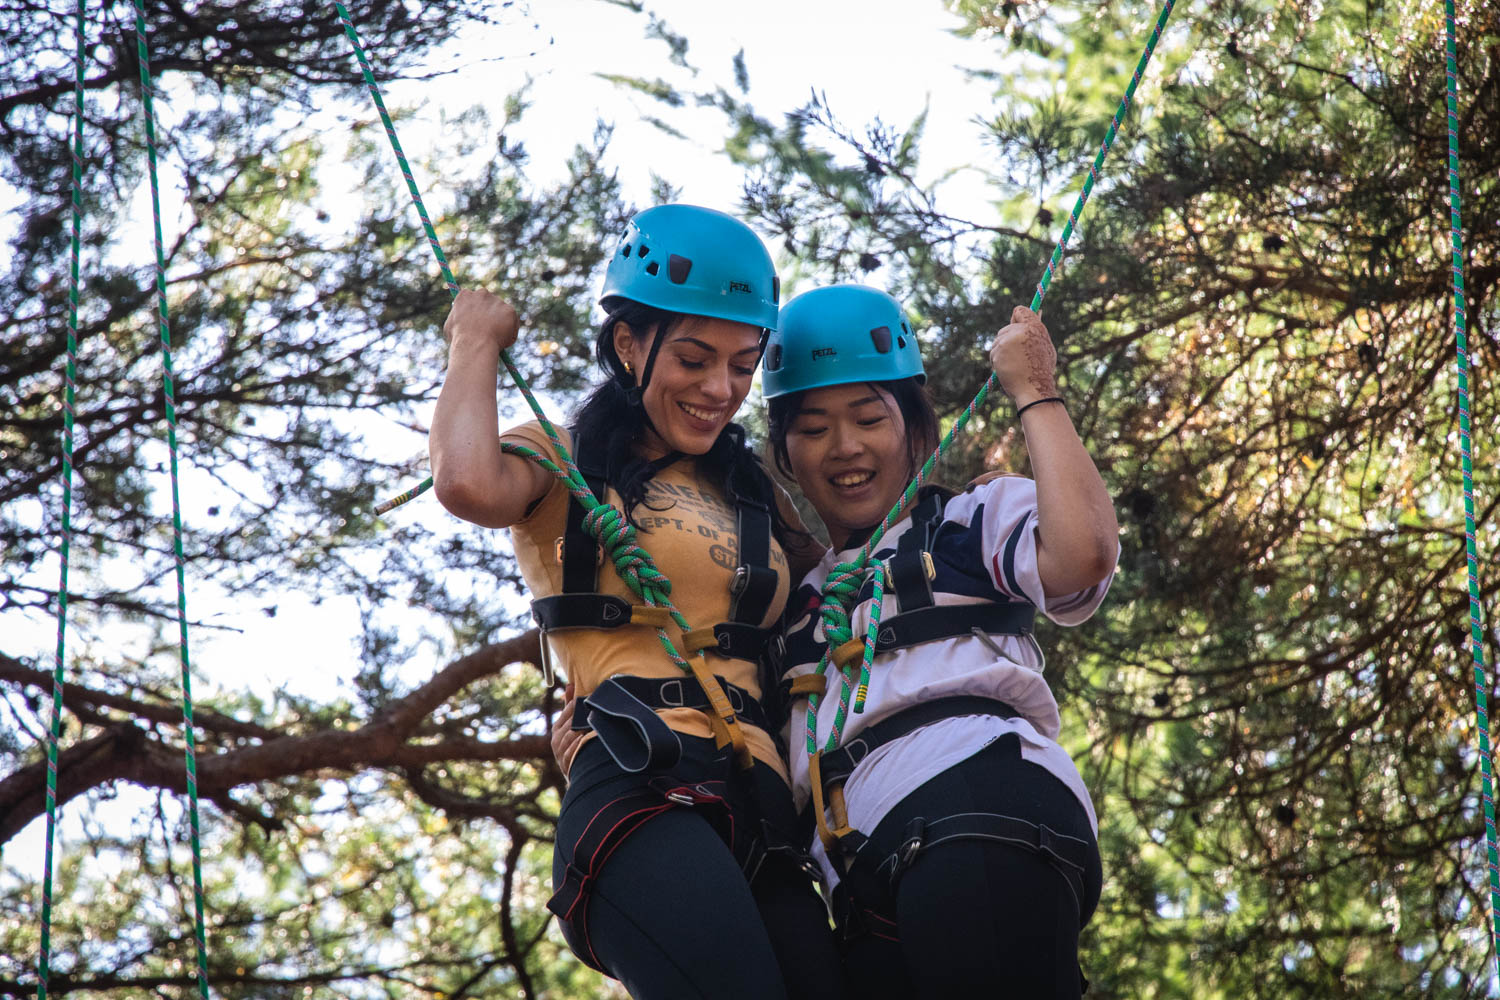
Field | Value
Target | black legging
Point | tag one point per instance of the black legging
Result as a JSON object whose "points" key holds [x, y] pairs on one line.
{"points": [[671, 914], [980, 918]]}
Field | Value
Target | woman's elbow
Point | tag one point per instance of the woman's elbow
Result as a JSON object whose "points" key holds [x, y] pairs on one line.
{"points": [[465, 498]]}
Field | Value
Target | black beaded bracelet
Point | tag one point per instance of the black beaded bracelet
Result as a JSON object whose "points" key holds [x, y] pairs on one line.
{"points": [[1039, 402]]}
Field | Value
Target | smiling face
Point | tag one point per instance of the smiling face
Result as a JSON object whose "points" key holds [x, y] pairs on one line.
{"points": [[701, 376], [847, 447]]}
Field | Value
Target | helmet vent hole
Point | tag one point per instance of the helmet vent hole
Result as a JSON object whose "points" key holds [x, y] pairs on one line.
{"points": [[773, 358], [652, 268], [776, 288], [881, 338], [905, 329], [901, 343], [678, 268], [643, 251], [626, 251]]}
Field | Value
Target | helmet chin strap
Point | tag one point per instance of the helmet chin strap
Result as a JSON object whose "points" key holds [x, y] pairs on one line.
{"points": [[634, 393]]}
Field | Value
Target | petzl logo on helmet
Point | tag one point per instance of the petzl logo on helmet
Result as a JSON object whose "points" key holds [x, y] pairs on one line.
{"points": [[740, 286], [825, 352]]}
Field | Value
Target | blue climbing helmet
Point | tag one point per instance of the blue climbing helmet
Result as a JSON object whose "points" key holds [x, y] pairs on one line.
{"points": [[836, 335], [687, 259]]}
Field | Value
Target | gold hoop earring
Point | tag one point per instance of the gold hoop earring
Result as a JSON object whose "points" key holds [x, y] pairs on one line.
{"points": [[628, 370]]}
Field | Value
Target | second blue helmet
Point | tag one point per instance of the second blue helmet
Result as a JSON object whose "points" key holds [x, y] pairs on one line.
{"points": [[840, 334]]}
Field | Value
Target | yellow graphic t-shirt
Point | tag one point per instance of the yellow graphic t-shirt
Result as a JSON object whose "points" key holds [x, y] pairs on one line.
{"points": [[691, 532]]}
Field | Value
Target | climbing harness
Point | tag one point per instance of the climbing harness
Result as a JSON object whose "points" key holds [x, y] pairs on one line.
{"points": [[1471, 549], [935, 600], [623, 710]]}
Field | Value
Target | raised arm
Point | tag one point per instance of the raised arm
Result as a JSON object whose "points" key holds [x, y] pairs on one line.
{"points": [[471, 476], [1078, 536]]}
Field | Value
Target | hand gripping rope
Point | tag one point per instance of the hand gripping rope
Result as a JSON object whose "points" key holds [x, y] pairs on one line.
{"points": [[842, 587], [1476, 635], [602, 521], [170, 408]]}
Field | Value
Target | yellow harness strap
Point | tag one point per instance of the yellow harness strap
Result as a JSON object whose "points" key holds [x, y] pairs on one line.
{"points": [[848, 653], [645, 614], [727, 731], [807, 684], [841, 829], [699, 639]]}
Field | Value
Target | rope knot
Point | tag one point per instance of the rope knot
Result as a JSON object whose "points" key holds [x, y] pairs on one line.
{"points": [[613, 530], [840, 591]]}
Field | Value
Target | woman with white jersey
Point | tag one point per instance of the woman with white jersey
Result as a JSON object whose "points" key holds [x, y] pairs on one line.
{"points": [[956, 834]]}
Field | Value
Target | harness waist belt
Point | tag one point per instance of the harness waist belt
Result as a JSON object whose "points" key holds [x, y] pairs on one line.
{"points": [[651, 693], [947, 620], [838, 764]]}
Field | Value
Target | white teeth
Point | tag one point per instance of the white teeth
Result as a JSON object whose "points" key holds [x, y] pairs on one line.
{"points": [[693, 411], [853, 479]]}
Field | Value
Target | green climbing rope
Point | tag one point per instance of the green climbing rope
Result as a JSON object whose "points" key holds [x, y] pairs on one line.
{"points": [[1476, 634], [845, 579], [603, 521], [54, 732], [169, 395]]}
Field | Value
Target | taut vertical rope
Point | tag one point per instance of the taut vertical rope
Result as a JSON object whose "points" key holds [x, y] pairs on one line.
{"points": [[844, 580], [169, 396], [54, 733], [1476, 634]]}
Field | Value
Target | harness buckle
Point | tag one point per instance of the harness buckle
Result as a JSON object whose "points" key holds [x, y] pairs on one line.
{"points": [[739, 581], [557, 551], [674, 686], [682, 798], [911, 846]]}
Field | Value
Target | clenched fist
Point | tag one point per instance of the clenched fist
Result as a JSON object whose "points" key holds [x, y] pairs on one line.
{"points": [[482, 317], [1024, 359]]}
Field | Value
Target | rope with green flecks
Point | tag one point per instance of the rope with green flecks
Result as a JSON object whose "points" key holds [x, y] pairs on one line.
{"points": [[601, 520], [169, 396], [845, 580], [1476, 634], [54, 732]]}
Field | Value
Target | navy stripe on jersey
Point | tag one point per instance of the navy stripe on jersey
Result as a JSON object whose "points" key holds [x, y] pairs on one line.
{"points": [[1006, 560]]}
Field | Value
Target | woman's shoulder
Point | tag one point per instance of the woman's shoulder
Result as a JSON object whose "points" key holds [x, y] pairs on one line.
{"points": [[992, 492]]}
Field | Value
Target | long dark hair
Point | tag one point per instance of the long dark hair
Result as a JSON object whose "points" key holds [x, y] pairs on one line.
{"points": [[608, 419], [912, 401]]}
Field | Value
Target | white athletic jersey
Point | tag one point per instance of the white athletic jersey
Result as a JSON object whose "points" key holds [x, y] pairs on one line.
{"points": [[987, 543]]}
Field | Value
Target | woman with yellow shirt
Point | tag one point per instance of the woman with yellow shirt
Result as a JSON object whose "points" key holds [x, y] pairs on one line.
{"points": [[677, 867]]}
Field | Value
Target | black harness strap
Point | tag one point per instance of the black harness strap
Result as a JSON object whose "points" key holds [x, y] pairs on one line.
{"points": [[579, 605], [945, 621], [838, 764], [754, 586], [1069, 855], [635, 736]]}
